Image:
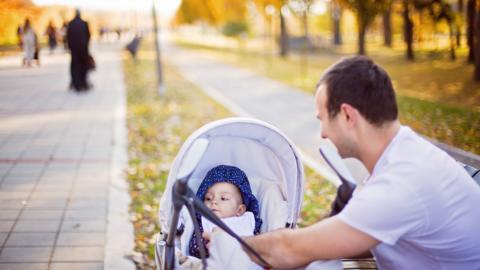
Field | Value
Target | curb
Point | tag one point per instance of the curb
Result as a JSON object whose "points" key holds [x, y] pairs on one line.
{"points": [[120, 233]]}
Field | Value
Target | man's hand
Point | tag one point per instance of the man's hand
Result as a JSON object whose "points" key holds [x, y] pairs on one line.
{"points": [[327, 239]]}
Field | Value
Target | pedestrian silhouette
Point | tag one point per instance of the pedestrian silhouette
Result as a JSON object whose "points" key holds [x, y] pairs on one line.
{"points": [[29, 44], [51, 33], [78, 37], [63, 36]]}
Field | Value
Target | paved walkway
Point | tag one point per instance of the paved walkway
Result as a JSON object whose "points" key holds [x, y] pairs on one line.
{"points": [[63, 203]]}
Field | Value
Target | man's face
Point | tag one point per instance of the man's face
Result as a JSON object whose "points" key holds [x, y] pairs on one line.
{"points": [[224, 200], [336, 129]]}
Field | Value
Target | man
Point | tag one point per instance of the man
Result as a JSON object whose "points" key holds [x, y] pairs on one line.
{"points": [[78, 37], [418, 209]]}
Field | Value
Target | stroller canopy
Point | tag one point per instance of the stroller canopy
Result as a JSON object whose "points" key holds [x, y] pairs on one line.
{"points": [[259, 149]]}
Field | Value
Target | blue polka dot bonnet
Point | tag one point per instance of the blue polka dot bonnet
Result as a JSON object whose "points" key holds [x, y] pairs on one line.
{"points": [[235, 176]]}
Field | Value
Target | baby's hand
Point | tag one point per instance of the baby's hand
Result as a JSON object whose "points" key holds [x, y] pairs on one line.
{"points": [[208, 236]]}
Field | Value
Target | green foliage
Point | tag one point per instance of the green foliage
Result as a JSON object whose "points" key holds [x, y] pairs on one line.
{"points": [[317, 200], [234, 28]]}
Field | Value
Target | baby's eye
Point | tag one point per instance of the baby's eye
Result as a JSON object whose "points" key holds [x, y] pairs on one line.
{"points": [[208, 199], [224, 198]]}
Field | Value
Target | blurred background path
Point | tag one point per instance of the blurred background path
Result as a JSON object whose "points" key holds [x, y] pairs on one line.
{"points": [[63, 202]]}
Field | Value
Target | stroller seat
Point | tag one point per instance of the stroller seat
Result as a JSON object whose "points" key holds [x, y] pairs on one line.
{"points": [[273, 206]]}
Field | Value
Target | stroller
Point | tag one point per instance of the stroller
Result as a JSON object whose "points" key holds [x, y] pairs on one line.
{"points": [[267, 157], [264, 153]]}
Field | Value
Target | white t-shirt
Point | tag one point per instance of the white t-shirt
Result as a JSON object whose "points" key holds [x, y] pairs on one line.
{"points": [[243, 225], [421, 205]]}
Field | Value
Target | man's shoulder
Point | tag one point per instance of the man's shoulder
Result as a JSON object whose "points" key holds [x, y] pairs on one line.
{"points": [[414, 151]]}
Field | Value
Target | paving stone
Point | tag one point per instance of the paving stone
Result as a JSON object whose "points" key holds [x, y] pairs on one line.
{"points": [[68, 254], [49, 195], [37, 226], [3, 237], [43, 187], [41, 214], [85, 214], [25, 254], [10, 179], [12, 204], [31, 239], [81, 239], [86, 203], [90, 195], [51, 204], [8, 195], [76, 266], [5, 167], [25, 169], [84, 226], [6, 225], [9, 214], [17, 186], [23, 266]]}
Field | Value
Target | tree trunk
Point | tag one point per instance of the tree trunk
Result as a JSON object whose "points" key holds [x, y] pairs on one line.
{"points": [[408, 30], [460, 8], [477, 44], [452, 41], [362, 29], [336, 18], [283, 36], [387, 28], [470, 30], [305, 24]]}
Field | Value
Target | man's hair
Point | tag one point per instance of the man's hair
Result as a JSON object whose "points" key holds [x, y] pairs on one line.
{"points": [[359, 82]]}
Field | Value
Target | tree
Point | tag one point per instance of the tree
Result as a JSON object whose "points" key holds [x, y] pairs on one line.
{"points": [[477, 42], [12, 15], [460, 8], [302, 7], [366, 11], [408, 29], [441, 10], [387, 26], [336, 19], [470, 30], [277, 4]]}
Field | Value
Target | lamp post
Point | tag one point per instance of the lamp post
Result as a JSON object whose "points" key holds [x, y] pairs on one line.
{"points": [[161, 87]]}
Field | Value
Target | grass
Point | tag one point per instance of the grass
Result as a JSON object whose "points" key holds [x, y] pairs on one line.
{"points": [[157, 126], [436, 96]]}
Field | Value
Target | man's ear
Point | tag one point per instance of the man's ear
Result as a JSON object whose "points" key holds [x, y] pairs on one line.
{"points": [[350, 114], [241, 209]]}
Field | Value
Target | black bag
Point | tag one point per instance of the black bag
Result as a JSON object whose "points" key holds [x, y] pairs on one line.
{"points": [[91, 65]]}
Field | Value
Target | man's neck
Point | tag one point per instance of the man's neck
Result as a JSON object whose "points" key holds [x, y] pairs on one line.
{"points": [[377, 140]]}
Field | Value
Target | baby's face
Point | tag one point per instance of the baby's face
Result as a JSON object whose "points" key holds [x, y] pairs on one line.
{"points": [[225, 200]]}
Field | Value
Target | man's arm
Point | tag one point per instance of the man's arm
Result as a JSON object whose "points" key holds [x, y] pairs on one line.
{"points": [[328, 239]]}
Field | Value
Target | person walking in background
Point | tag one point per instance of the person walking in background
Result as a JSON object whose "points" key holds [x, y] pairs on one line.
{"points": [[78, 37], [51, 33], [19, 36], [63, 36], [36, 55], [29, 43]]}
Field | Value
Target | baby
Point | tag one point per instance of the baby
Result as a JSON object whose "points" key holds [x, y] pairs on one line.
{"points": [[226, 191]]}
